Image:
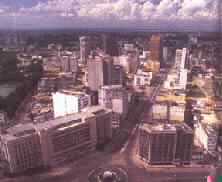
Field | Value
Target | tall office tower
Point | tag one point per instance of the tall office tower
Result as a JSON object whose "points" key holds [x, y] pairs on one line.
{"points": [[155, 48], [180, 58], [165, 54], [184, 143], [21, 148], [114, 97], [67, 138], [69, 64], [157, 143], [183, 78], [85, 46], [99, 72], [118, 75], [68, 102], [65, 64]]}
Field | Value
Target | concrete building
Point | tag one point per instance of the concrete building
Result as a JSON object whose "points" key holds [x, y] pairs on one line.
{"points": [[68, 102], [142, 78], [21, 148], [206, 137], [85, 47], [157, 143], [99, 72], [69, 64], [114, 97], [184, 144], [103, 123], [67, 138], [160, 112]]}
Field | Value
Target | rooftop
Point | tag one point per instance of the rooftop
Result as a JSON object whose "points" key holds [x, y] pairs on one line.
{"points": [[159, 128]]}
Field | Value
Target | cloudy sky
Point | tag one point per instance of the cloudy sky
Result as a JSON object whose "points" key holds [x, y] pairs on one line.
{"points": [[144, 14]]}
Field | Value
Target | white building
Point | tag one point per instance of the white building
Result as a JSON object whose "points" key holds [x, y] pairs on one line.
{"points": [[142, 78], [69, 102], [183, 78], [114, 97], [180, 58], [206, 136], [176, 113]]}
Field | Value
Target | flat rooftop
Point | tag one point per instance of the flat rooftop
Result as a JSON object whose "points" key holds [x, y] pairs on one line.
{"points": [[159, 128]]}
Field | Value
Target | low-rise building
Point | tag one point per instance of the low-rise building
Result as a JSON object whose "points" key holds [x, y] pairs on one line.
{"points": [[142, 78]]}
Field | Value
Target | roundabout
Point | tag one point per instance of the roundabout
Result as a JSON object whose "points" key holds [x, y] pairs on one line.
{"points": [[108, 174]]}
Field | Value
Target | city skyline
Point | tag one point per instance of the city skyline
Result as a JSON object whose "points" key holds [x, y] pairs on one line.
{"points": [[162, 15]]}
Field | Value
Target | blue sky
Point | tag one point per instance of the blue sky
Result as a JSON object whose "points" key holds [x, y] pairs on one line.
{"points": [[194, 14]]}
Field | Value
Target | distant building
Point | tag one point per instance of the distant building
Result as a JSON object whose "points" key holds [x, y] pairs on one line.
{"points": [[157, 143], [21, 148], [155, 48], [142, 78], [114, 97], [99, 72], [68, 102], [67, 138], [85, 47], [118, 75], [69, 64], [184, 144]]}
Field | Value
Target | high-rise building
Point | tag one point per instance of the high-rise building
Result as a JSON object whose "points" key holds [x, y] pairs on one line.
{"points": [[184, 143], [155, 52], [99, 72], [21, 148], [118, 75], [85, 46], [114, 97], [69, 102], [69, 64], [157, 143]]}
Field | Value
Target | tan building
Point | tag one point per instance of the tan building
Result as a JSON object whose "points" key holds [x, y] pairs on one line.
{"points": [[67, 138], [21, 148]]}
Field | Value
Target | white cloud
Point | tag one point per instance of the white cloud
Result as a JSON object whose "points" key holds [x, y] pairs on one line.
{"points": [[110, 11], [127, 9]]}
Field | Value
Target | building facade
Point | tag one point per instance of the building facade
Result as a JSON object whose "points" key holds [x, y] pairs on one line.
{"points": [[157, 143], [67, 138], [21, 148]]}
